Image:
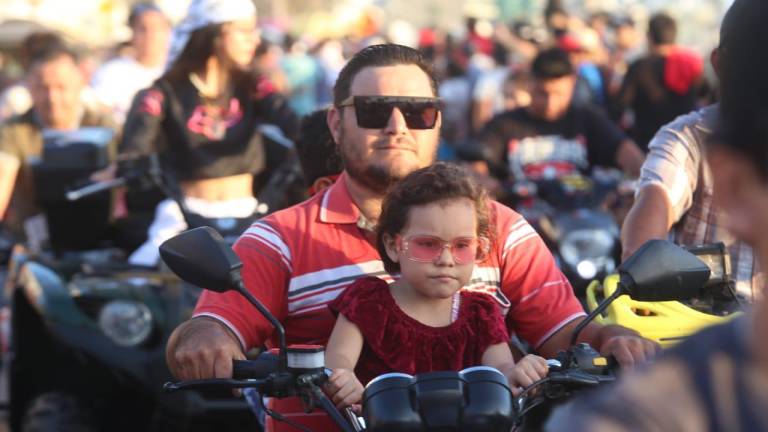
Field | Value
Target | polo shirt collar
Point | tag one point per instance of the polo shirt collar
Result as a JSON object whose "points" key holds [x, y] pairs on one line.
{"points": [[337, 206]]}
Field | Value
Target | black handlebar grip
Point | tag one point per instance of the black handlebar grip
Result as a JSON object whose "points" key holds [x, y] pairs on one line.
{"points": [[260, 368]]}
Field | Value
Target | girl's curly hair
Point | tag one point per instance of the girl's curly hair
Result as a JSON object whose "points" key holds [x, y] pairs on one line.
{"points": [[438, 182]]}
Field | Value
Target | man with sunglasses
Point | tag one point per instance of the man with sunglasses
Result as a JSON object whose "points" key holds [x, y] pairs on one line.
{"points": [[386, 123]]}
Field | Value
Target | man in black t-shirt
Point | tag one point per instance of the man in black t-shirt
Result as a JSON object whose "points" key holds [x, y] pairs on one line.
{"points": [[552, 136]]}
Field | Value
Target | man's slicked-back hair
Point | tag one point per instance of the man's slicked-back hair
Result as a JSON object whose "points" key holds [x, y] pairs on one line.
{"points": [[662, 29], [743, 62], [552, 63], [380, 56]]}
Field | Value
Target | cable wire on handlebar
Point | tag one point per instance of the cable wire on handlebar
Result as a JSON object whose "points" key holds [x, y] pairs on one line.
{"points": [[525, 411], [533, 387], [279, 417], [522, 398]]}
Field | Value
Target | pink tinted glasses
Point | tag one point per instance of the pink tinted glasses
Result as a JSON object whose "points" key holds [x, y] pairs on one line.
{"points": [[424, 248]]}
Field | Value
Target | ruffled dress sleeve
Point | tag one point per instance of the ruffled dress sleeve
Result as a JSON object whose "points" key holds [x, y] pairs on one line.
{"points": [[484, 315], [360, 299]]}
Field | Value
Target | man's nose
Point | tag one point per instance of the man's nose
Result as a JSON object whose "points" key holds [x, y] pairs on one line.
{"points": [[396, 124]]}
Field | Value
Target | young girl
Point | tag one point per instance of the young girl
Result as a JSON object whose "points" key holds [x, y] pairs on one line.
{"points": [[433, 227]]}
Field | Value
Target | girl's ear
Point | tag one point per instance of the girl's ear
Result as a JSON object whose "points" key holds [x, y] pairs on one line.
{"points": [[390, 244]]}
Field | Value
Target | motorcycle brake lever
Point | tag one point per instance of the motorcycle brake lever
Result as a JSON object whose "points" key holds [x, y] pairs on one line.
{"points": [[574, 377], [212, 384], [323, 402], [357, 422], [554, 364]]}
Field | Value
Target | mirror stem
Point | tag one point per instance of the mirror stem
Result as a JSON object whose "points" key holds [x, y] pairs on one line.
{"points": [[598, 310], [283, 356]]}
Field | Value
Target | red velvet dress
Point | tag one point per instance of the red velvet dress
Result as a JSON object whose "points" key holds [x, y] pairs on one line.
{"points": [[395, 342]]}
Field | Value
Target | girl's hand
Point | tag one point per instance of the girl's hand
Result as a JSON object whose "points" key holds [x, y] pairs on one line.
{"points": [[527, 371], [344, 388]]}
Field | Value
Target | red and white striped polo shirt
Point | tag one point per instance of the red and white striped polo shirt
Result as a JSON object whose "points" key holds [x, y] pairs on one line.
{"points": [[298, 260]]}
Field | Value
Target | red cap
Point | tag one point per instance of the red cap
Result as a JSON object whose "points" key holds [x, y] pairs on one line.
{"points": [[569, 43]]}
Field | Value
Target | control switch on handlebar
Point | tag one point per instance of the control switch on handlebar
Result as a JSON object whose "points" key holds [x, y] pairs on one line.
{"points": [[588, 360]]}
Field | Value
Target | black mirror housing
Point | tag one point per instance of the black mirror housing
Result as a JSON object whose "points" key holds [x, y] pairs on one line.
{"points": [[201, 257], [663, 271]]}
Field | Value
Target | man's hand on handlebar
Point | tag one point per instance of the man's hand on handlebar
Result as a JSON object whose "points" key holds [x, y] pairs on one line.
{"points": [[202, 348], [625, 345], [629, 350]]}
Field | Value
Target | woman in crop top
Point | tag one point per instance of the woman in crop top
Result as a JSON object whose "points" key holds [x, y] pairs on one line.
{"points": [[208, 118]]}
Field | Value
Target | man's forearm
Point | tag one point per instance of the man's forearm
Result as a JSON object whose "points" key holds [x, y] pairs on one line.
{"points": [[597, 335], [649, 218], [603, 332]]}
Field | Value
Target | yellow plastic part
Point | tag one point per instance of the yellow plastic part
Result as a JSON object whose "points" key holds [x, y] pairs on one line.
{"points": [[599, 361], [665, 322]]}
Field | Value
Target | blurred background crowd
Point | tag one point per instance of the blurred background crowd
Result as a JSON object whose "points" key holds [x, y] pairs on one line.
{"points": [[303, 44], [637, 65]]}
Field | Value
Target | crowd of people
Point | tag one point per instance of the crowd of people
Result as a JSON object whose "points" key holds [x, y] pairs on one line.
{"points": [[514, 98], [392, 249]]}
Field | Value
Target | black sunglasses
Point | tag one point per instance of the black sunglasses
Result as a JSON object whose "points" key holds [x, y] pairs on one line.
{"points": [[373, 112]]}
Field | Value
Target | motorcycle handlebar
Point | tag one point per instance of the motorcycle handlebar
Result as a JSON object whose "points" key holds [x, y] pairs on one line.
{"points": [[573, 378], [211, 384], [130, 168], [95, 188], [260, 368], [576, 378]]}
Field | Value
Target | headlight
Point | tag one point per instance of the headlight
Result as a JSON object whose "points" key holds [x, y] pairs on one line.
{"points": [[127, 323], [587, 269], [592, 245]]}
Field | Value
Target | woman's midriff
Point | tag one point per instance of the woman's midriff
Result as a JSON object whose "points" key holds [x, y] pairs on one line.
{"points": [[220, 188]]}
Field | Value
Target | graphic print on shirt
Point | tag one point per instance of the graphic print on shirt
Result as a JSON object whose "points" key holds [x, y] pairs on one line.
{"points": [[547, 156], [212, 122], [152, 102]]}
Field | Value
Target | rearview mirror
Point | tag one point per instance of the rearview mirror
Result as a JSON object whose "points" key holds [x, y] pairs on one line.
{"points": [[662, 271], [201, 257]]}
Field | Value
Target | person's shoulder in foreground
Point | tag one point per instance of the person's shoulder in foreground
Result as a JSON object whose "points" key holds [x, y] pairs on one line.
{"points": [[708, 382], [689, 129]]}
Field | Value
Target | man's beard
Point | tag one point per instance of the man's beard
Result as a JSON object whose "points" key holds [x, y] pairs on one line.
{"points": [[377, 178], [374, 177]]}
